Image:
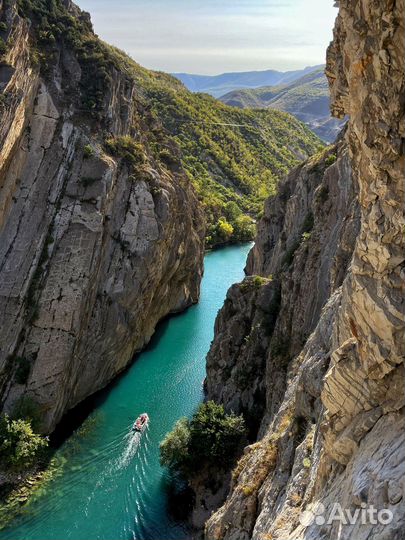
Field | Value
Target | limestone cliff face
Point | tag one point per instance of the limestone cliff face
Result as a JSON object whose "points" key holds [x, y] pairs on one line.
{"points": [[303, 247], [331, 409], [93, 253]]}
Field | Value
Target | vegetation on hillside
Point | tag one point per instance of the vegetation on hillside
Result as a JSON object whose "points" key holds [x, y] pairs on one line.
{"points": [[210, 438], [229, 155], [306, 98], [287, 97]]}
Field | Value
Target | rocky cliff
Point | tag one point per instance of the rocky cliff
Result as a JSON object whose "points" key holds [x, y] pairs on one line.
{"points": [[311, 345], [302, 251], [98, 239]]}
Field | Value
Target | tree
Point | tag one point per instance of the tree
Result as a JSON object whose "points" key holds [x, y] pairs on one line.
{"points": [[211, 437], [19, 445], [215, 435], [174, 447], [224, 229], [244, 229], [232, 211]]}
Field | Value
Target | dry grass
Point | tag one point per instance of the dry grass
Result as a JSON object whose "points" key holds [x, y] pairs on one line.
{"points": [[266, 459], [285, 422], [266, 452], [244, 460]]}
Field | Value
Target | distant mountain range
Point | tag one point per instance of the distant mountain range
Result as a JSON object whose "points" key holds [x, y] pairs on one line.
{"points": [[303, 93], [218, 85], [307, 98]]}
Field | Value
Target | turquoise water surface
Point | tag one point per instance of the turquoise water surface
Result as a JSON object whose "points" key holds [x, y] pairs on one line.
{"points": [[112, 486]]}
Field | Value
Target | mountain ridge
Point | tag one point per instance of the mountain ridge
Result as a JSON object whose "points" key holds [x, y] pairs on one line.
{"points": [[307, 98], [218, 85]]}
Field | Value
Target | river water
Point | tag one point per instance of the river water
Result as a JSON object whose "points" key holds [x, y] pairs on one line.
{"points": [[112, 486]]}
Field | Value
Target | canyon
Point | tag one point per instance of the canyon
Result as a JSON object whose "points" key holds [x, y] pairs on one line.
{"points": [[104, 207], [111, 186]]}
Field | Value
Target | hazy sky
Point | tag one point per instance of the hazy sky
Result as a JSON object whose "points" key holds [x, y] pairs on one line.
{"points": [[215, 36]]}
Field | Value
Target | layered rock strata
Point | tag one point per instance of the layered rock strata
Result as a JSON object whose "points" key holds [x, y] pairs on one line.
{"points": [[328, 361], [93, 251]]}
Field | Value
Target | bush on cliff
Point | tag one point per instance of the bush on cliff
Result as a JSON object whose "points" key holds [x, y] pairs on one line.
{"points": [[126, 148], [211, 438], [20, 447]]}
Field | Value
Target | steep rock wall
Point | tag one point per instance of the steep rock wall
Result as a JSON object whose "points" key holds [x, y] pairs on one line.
{"points": [[332, 424], [92, 253], [304, 244]]}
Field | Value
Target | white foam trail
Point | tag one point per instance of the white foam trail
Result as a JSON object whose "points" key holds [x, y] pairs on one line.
{"points": [[130, 450], [131, 441]]}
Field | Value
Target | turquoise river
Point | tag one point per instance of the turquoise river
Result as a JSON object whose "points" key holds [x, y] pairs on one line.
{"points": [[111, 485]]}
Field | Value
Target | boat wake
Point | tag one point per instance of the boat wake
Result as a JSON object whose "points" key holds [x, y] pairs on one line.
{"points": [[133, 440], [130, 443]]}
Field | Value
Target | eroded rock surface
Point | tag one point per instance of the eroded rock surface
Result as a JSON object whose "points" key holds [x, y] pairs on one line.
{"points": [[328, 364], [92, 252], [302, 251]]}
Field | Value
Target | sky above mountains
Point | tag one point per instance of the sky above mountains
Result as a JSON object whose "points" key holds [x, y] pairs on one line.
{"points": [[215, 36]]}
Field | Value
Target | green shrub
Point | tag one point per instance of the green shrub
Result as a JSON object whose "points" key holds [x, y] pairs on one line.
{"points": [[232, 211], [167, 157], [252, 283], [174, 452], [126, 148], [244, 229], [20, 447], [88, 151], [46, 37], [211, 438], [259, 281], [3, 27], [224, 229], [330, 160]]}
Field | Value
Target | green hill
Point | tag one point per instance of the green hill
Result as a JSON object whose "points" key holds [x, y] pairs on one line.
{"points": [[230, 154], [306, 98], [233, 157]]}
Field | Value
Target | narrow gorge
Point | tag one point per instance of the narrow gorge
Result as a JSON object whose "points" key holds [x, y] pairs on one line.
{"points": [[109, 187]]}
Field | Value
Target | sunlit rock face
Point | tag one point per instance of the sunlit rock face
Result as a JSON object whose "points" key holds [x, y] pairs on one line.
{"points": [[93, 253], [331, 408]]}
